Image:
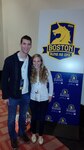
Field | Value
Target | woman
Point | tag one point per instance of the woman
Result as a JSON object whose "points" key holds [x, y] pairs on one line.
{"points": [[40, 95]]}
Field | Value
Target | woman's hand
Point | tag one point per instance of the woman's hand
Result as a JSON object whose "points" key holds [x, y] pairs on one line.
{"points": [[50, 98], [6, 101]]}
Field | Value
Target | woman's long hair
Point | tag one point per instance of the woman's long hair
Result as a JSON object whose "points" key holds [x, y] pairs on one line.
{"points": [[43, 73]]}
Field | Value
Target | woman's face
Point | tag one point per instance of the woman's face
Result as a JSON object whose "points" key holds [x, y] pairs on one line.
{"points": [[37, 62]]}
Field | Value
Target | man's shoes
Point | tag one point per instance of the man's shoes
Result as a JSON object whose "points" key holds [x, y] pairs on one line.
{"points": [[14, 144], [25, 138]]}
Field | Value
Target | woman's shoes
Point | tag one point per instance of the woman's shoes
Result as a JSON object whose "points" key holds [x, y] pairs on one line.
{"points": [[33, 138], [40, 140]]}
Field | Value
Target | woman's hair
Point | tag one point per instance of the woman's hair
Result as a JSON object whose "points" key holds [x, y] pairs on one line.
{"points": [[43, 73]]}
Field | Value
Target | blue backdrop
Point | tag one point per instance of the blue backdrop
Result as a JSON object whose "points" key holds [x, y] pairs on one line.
{"points": [[65, 105]]}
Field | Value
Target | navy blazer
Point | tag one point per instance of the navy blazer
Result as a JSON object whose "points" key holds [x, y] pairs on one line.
{"points": [[11, 76]]}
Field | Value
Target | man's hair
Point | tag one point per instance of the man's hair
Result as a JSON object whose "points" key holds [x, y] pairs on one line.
{"points": [[26, 37]]}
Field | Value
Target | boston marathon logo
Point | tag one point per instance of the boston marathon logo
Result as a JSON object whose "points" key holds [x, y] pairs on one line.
{"points": [[58, 79], [73, 80], [71, 109], [65, 94], [62, 120], [61, 41], [48, 118], [56, 107]]}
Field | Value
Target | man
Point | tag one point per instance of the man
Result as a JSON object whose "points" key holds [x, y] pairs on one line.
{"points": [[16, 88]]}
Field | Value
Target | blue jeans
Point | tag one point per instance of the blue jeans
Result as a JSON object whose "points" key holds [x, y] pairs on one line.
{"points": [[23, 103]]}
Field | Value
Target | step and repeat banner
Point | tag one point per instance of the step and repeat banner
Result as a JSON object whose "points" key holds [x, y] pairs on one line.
{"points": [[61, 43], [65, 105]]}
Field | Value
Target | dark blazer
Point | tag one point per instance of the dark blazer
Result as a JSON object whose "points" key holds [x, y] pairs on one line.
{"points": [[11, 76]]}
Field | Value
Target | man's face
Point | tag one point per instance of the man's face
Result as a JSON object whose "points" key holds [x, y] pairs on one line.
{"points": [[25, 46]]}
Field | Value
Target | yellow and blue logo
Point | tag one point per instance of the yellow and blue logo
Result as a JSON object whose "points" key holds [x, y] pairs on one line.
{"points": [[65, 94], [61, 41], [48, 118], [58, 78], [73, 80], [62, 120], [71, 109], [56, 107]]}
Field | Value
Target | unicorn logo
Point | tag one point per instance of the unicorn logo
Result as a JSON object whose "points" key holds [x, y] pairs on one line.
{"points": [[64, 94], [61, 43], [73, 80], [71, 109], [62, 35], [62, 120]]}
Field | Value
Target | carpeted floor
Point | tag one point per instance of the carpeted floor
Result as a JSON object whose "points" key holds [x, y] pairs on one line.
{"points": [[50, 142]]}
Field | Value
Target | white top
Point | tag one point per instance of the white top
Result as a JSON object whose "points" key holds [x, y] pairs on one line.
{"points": [[24, 74], [40, 91]]}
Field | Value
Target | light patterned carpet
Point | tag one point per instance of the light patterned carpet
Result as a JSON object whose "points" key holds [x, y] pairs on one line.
{"points": [[50, 142]]}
